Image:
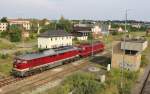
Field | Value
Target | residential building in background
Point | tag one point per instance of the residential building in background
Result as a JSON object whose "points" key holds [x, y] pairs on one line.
{"points": [[97, 32], [81, 32], [3, 26], [96, 29], [21, 22], [54, 39], [80, 25], [136, 25]]}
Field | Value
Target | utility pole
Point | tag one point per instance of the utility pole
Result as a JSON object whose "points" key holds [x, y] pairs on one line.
{"points": [[126, 17], [92, 41], [123, 61], [38, 31]]}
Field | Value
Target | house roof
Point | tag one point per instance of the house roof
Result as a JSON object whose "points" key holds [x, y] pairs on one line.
{"points": [[55, 33], [76, 29], [134, 40]]}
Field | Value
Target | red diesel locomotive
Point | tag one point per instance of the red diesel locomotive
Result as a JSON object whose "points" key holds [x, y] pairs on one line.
{"points": [[29, 64]]}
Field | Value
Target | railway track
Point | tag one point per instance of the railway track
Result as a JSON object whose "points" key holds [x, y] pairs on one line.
{"points": [[24, 84], [8, 80], [146, 85], [33, 83]]}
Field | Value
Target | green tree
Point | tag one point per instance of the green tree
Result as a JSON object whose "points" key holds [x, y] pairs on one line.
{"points": [[15, 36], [43, 22], [34, 25], [15, 33], [51, 26], [4, 20], [64, 24], [15, 28]]}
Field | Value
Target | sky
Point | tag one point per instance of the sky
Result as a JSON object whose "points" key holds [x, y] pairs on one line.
{"points": [[76, 9]]}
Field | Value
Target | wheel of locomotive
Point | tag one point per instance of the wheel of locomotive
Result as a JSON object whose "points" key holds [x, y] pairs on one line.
{"points": [[65, 62], [26, 74], [40, 70]]}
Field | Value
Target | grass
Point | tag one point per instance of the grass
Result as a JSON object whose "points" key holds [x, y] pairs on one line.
{"points": [[146, 54], [6, 66], [6, 63], [113, 80], [112, 84], [52, 90], [4, 44]]}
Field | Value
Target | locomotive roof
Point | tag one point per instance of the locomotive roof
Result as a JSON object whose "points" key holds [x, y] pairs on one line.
{"points": [[46, 53]]}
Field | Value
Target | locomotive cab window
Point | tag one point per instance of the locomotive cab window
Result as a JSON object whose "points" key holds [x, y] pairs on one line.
{"points": [[15, 61], [18, 61]]}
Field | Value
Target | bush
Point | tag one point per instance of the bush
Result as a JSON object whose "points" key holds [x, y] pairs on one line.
{"points": [[18, 53], [144, 61], [4, 56], [114, 33], [15, 36], [129, 79], [4, 34], [81, 83], [32, 36]]}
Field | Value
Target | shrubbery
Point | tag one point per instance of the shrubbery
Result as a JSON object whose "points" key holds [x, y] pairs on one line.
{"points": [[144, 61], [115, 80], [14, 33], [80, 83], [114, 33], [15, 36], [4, 56], [4, 34], [18, 53]]}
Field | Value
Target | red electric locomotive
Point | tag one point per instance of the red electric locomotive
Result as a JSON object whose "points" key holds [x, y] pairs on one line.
{"points": [[25, 65], [87, 49]]}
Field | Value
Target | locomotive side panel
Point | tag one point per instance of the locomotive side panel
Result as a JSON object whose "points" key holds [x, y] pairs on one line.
{"points": [[86, 50]]}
